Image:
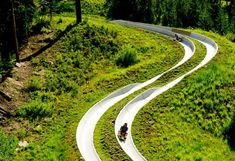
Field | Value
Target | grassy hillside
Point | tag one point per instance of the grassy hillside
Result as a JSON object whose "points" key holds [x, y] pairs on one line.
{"points": [[195, 119], [105, 140], [74, 74]]}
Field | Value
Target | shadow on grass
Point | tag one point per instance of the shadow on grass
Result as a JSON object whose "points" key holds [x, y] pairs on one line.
{"points": [[229, 134], [60, 35]]}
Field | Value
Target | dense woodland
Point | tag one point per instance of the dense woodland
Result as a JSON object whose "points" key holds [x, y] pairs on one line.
{"points": [[216, 15]]}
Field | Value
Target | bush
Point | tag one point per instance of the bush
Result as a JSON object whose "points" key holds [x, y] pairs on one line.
{"points": [[230, 36], [40, 24], [36, 110], [127, 58], [4, 66], [64, 6]]}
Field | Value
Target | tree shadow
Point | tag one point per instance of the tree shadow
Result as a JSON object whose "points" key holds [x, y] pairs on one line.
{"points": [[52, 42], [229, 134]]}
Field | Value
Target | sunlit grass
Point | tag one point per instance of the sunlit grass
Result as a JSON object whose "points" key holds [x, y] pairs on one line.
{"points": [[188, 121]]}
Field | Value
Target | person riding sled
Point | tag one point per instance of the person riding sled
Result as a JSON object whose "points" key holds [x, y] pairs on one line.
{"points": [[123, 131], [178, 38]]}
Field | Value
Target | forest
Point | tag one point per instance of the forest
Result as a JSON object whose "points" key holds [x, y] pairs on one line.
{"points": [[215, 15]]}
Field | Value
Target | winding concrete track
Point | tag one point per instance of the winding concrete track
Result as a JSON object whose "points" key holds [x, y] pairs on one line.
{"points": [[129, 112], [86, 126]]}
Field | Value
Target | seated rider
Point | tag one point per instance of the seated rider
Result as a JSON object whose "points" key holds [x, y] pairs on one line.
{"points": [[177, 38], [123, 130]]}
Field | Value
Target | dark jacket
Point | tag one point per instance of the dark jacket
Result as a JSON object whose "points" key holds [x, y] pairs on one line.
{"points": [[124, 129]]}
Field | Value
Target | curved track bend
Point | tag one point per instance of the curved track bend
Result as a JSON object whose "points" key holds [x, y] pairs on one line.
{"points": [[129, 112], [86, 126]]}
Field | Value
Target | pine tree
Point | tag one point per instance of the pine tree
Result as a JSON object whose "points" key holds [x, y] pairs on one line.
{"points": [[186, 13], [121, 9], [222, 22], [205, 20], [232, 14], [145, 11], [169, 13]]}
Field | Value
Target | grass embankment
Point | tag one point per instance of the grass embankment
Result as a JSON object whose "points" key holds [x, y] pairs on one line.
{"points": [[195, 119], [105, 140], [74, 74]]}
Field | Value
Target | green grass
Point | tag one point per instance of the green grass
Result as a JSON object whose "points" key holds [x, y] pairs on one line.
{"points": [[105, 140], [8, 144], [188, 122], [93, 7], [77, 72], [58, 24]]}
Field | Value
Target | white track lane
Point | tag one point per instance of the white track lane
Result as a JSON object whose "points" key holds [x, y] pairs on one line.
{"points": [[129, 112], [86, 126]]}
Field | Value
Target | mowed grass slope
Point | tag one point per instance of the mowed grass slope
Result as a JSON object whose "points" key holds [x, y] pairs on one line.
{"points": [[105, 139], [77, 72], [195, 119]]}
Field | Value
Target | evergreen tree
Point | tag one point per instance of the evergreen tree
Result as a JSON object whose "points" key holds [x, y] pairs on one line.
{"points": [[232, 14], [136, 10], [205, 20], [145, 11], [24, 12], [186, 13], [222, 22], [121, 9], [158, 11], [46, 7], [169, 13]]}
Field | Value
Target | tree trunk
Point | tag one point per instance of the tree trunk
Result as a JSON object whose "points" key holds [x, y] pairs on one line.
{"points": [[14, 36], [78, 11]]}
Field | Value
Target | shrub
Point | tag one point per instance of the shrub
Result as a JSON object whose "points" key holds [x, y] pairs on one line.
{"points": [[229, 132], [36, 110], [230, 36], [4, 66], [41, 23], [64, 6], [127, 58]]}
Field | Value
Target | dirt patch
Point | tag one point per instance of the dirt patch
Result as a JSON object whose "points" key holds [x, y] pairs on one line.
{"points": [[14, 86], [35, 43]]}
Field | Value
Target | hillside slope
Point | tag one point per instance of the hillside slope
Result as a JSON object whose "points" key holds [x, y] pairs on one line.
{"points": [[195, 120], [71, 76]]}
